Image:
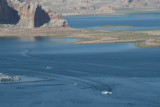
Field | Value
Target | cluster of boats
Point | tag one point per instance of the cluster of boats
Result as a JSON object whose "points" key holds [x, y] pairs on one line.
{"points": [[8, 79]]}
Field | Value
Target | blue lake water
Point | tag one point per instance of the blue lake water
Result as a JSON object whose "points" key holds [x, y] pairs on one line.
{"points": [[142, 21], [72, 75]]}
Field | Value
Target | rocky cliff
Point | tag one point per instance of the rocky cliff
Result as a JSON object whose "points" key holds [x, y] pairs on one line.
{"points": [[8, 14], [22, 15]]}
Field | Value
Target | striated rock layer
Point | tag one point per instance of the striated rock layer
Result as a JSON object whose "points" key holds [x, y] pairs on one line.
{"points": [[21, 15]]}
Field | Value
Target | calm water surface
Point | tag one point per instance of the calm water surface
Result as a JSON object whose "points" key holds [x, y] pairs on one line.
{"points": [[67, 75], [143, 21]]}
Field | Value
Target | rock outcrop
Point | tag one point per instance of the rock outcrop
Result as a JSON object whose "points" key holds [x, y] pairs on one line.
{"points": [[22, 15], [8, 15], [107, 9]]}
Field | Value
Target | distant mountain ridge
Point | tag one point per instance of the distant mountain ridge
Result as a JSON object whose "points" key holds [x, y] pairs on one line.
{"points": [[78, 7]]}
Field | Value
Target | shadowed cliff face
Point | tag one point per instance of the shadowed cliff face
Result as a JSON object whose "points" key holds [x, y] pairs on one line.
{"points": [[41, 17], [8, 15], [130, 1]]}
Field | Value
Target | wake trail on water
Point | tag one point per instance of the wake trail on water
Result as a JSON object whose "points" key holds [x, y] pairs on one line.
{"points": [[84, 83], [80, 82], [26, 53]]}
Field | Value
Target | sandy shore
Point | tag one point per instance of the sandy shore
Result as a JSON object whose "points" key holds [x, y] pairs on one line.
{"points": [[142, 38]]}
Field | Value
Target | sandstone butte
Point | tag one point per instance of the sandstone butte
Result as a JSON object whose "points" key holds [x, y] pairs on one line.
{"points": [[14, 14]]}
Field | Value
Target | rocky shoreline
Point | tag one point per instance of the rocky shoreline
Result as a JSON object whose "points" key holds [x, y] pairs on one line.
{"points": [[87, 36], [96, 14]]}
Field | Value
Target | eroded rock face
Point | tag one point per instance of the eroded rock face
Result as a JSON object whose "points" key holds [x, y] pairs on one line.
{"points": [[32, 15], [8, 14], [22, 15]]}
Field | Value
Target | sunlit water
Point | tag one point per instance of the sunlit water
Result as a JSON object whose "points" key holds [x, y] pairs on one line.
{"points": [[72, 75]]}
